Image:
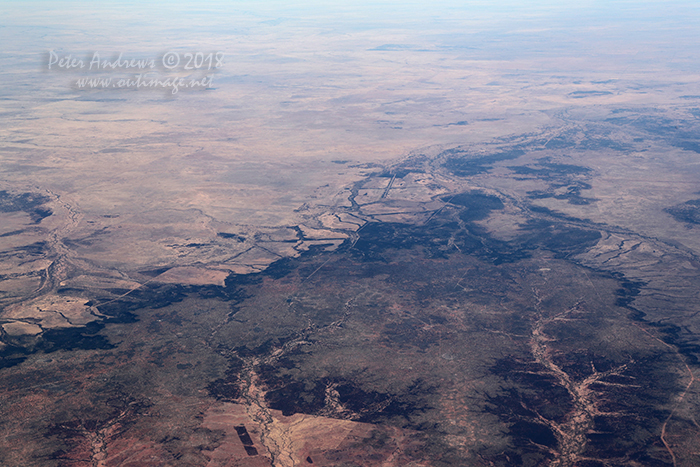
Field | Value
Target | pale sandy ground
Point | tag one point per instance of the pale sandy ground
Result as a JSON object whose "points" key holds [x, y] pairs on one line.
{"points": [[307, 103]]}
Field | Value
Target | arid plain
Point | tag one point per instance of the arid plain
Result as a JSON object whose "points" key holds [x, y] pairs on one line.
{"points": [[384, 236]]}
